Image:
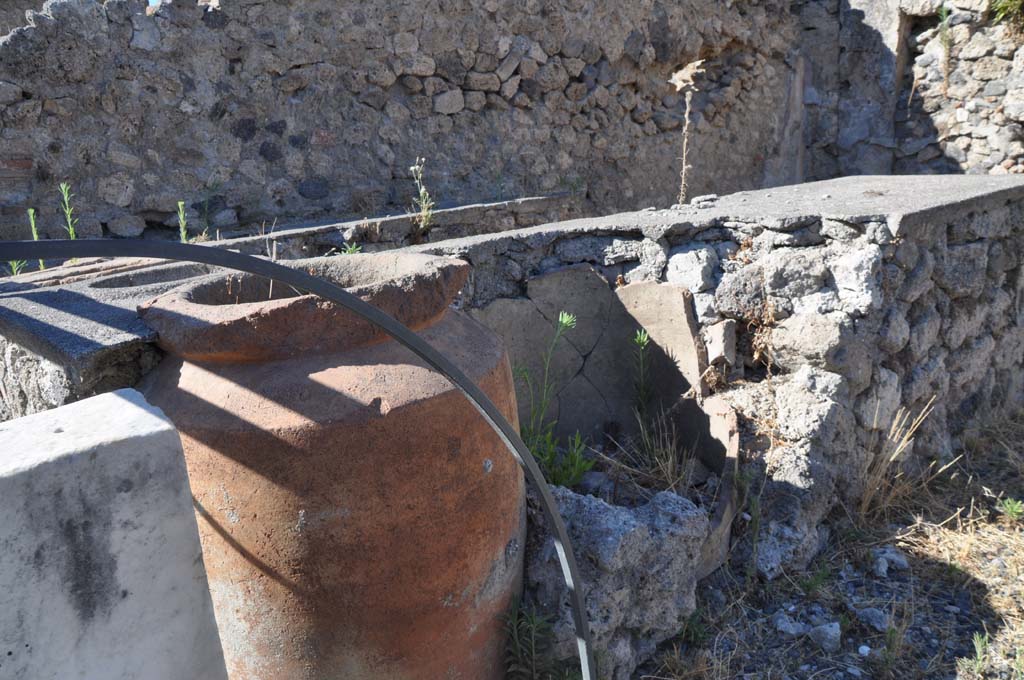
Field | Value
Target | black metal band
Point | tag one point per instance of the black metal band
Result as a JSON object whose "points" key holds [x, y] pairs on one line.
{"points": [[169, 250]]}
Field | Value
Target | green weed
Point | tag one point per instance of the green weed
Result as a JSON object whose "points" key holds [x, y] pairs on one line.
{"points": [[561, 467], [893, 647], [976, 664], [641, 344], [1011, 508], [70, 221], [423, 203], [182, 223], [207, 197], [947, 45], [1008, 10], [812, 583], [528, 647], [35, 232], [695, 630]]}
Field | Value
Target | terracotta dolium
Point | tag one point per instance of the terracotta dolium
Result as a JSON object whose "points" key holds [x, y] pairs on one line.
{"points": [[358, 518]]}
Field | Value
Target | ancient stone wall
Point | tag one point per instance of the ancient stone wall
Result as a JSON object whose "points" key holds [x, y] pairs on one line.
{"points": [[256, 110], [962, 102], [893, 88], [250, 112]]}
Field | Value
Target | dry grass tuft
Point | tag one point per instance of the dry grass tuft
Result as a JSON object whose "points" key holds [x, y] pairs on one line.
{"points": [[990, 553], [962, 528], [685, 80], [714, 378], [1004, 435], [890, 482], [714, 662], [761, 340], [655, 458]]}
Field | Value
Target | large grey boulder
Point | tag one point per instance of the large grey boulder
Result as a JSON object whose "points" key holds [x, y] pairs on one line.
{"points": [[639, 568], [814, 459]]}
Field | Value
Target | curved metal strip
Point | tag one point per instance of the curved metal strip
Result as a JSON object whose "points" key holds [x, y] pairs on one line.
{"points": [[34, 250]]}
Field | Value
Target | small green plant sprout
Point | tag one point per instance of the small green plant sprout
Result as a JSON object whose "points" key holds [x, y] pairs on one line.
{"points": [[974, 666], [813, 582], [35, 232], [695, 630], [1011, 508], [946, 38], [423, 203], [1011, 11], [944, 14], [568, 468], [205, 216], [573, 185], [182, 223], [70, 221], [892, 648], [15, 267], [641, 343], [528, 648], [540, 399], [562, 467], [346, 249]]}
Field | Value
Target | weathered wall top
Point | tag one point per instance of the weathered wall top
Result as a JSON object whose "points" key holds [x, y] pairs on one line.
{"points": [[902, 203]]}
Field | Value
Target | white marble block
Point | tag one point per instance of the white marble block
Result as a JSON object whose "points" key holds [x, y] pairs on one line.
{"points": [[101, 574]]}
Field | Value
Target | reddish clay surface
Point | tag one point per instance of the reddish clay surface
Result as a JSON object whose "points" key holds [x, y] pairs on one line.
{"points": [[358, 518]]}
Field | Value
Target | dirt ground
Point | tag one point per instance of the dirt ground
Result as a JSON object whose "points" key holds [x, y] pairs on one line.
{"points": [[929, 583]]}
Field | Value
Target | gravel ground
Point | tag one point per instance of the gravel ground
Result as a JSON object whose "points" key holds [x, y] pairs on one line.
{"points": [[930, 586]]}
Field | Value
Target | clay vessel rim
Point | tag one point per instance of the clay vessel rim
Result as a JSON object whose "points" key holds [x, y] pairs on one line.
{"points": [[242, 318], [366, 276]]}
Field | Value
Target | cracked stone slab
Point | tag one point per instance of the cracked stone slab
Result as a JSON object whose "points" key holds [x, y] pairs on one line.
{"points": [[580, 291], [665, 311], [526, 334]]}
